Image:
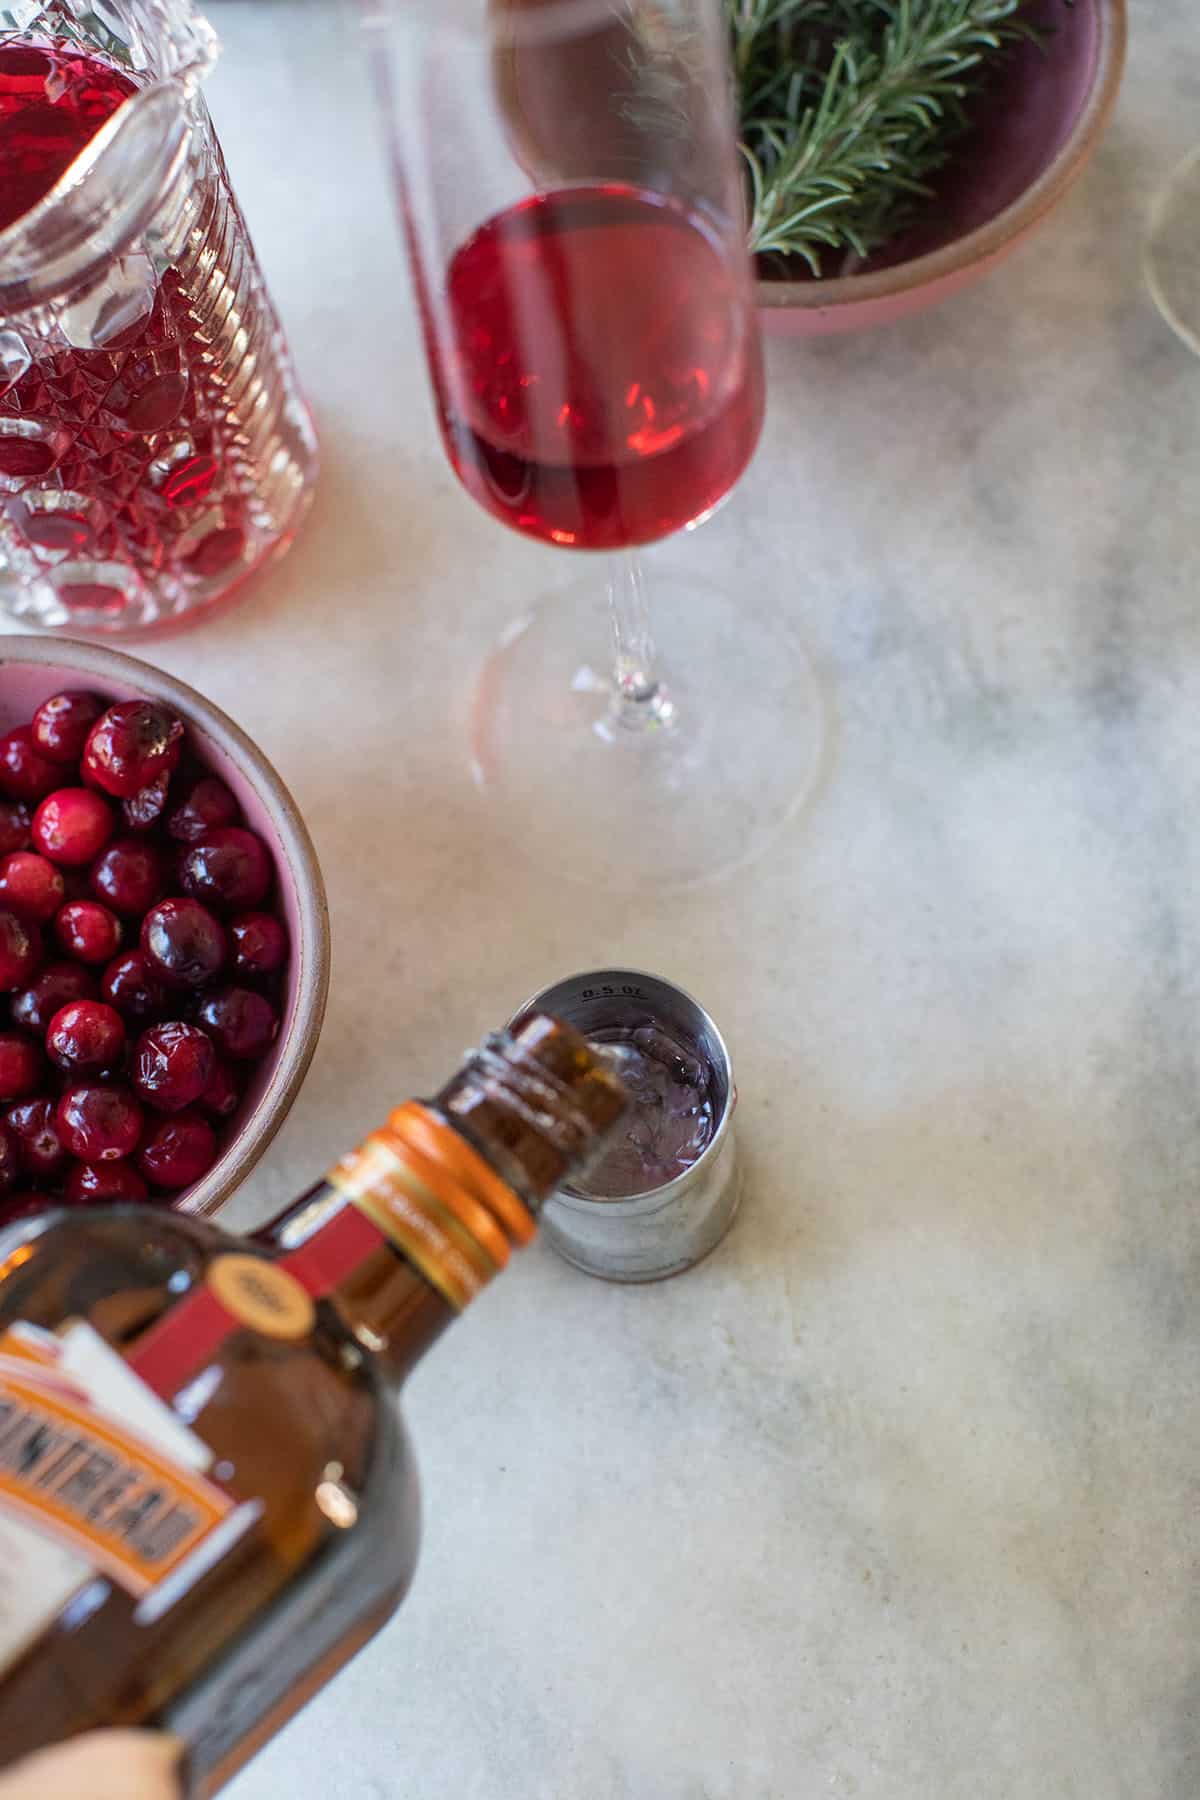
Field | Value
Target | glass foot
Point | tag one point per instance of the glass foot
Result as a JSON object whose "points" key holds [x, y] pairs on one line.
{"points": [[696, 781], [1173, 251]]}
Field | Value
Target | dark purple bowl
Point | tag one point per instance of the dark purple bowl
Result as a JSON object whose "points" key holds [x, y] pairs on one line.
{"points": [[1034, 135]]}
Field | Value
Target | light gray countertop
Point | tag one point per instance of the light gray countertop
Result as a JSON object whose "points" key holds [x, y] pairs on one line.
{"points": [[895, 1498]]}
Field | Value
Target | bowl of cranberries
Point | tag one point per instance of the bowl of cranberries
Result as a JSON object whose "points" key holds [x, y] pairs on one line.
{"points": [[164, 941]]}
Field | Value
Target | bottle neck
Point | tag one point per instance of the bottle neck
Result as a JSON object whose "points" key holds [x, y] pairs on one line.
{"points": [[402, 1234], [383, 1299], [407, 1230]]}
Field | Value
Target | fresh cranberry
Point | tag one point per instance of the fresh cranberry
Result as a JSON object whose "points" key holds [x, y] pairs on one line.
{"points": [[35, 1124], [14, 827], [20, 1066], [185, 944], [77, 883], [104, 1184], [31, 886], [10, 1159], [20, 952], [173, 1065], [243, 1023], [88, 931], [178, 1151], [59, 983], [130, 876], [130, 745], [260, 944], [207, 805], [146, 807], [130, 984], [222, 1096], [72, 826], [24, 772], [228, 867], [85, 1037], [97, 1123], [61, 725]]}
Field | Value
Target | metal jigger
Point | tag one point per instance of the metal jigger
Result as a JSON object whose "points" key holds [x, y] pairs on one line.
{"points": [[647, 1236]]}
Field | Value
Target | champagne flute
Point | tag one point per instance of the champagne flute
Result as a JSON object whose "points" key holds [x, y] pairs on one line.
{"points": [[572, 200]]}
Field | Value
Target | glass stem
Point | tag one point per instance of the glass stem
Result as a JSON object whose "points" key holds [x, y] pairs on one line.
{"points": [[639, 702]]}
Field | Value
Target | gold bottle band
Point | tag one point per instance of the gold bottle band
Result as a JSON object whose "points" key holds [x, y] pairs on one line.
{"points": [[421, 1128], [437, 1200], [379, 1184], [470, 1213]]}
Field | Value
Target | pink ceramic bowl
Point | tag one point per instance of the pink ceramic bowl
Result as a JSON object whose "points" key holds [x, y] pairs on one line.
{"points": [[32, 668], [1040, 125]]}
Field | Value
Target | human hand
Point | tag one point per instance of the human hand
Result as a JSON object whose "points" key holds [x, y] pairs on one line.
{"points": [[104, 1765]]}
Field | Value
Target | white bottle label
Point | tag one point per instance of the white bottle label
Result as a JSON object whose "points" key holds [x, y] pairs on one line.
{"points": [[98, 1477]]}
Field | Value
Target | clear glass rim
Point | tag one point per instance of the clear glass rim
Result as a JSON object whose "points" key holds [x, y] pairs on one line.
{"points": [[504, 27], [1160, 214], [88, 217], [110, 192]]}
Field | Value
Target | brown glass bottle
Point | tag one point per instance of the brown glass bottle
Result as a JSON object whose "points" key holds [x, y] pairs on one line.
{"points": [[279, 1357]]}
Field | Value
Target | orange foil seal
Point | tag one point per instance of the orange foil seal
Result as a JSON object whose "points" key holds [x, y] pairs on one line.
{"points": [[421, 1209], [425, 1132]]}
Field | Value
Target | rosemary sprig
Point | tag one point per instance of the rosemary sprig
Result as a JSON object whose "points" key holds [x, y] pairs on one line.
{"points": [[847, 107]]}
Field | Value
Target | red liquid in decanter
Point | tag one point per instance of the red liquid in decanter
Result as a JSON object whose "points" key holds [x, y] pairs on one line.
{"points": [[143, 431]]}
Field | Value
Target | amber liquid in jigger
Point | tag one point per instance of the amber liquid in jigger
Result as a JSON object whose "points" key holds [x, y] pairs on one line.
{"points": [[671, 1117], [150, 448]]}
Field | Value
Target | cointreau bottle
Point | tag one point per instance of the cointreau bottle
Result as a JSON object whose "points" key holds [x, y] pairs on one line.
{"points": [[207, 1498]]}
